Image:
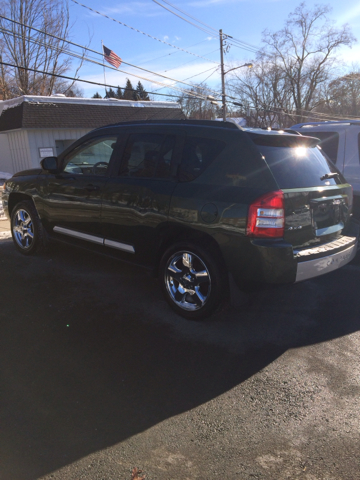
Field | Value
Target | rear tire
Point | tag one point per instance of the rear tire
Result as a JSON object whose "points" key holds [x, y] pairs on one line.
{"points": [[26, 228], [192, 280]]}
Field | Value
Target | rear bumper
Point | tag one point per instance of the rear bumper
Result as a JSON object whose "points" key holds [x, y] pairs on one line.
{"points": [[267, 261], [321, 265]]}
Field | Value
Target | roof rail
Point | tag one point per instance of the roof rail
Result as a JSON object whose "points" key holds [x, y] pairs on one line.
{"points": [[326, 122], [198, 123]]}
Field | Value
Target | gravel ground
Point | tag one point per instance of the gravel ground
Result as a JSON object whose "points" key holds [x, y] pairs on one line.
{"points": [[99, 376]]}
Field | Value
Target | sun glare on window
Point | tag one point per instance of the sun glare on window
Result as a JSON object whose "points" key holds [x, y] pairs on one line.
{"points": [[300, 151]]}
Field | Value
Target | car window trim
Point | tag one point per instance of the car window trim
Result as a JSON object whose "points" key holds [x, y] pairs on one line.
{"points": [[175, 158], [89, 141]]}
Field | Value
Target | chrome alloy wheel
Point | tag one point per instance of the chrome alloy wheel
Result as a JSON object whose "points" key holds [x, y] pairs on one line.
{"points": [[187, 281], [23, 229]]}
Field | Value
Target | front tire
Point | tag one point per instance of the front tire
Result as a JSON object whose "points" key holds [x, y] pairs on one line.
{"points": [[26, 228], [191, 280]]}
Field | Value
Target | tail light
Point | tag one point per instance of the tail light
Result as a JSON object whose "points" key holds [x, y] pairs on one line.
{"points": [[266, 216]]}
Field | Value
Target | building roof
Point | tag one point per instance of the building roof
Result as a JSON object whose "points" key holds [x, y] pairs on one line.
{"points": [[63, 112]]}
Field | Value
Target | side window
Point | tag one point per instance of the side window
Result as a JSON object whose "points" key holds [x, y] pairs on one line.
{"points": [[148, 155], [329, 143], [197, 155], [91, 158], [359, 145]]}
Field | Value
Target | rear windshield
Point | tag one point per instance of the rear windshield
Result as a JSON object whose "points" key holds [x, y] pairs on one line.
{"points": [[299, 167]]}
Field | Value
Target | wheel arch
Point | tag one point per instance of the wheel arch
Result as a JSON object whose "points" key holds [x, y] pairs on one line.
{"points": [[15, 198], [176, 234]]}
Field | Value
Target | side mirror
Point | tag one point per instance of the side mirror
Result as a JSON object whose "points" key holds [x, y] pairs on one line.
{"points": [[50, 164]]}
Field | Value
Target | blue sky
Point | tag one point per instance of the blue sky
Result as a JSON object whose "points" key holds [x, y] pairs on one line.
{"points": [[245, 20]]}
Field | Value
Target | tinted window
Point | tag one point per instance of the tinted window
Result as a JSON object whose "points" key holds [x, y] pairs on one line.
{"points": [[299, 167], [329, 143], [148, 155], [91, 158], [359, 144], [198, 153]]}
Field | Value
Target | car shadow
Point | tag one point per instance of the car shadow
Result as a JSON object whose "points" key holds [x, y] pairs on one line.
{"points": [[91, 353]]}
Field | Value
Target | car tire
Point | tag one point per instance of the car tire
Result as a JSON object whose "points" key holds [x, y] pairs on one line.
{"points": [[192, 280], [26, 228]]}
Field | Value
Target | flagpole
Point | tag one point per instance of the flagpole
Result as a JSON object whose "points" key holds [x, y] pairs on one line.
{"points": [[102, 48]]}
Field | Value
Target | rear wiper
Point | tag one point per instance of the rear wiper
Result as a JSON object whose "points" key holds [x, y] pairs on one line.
{"points": [[329, 175]]}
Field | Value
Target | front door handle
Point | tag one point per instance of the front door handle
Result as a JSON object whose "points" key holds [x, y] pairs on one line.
{"points": [[92, 188]]}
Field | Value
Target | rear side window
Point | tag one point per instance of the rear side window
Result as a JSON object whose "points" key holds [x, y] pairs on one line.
{"points": [[329, 143], [198, 153], [299, 167], [148, 155]]}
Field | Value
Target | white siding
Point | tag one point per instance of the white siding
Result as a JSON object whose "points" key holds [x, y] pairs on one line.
{"points": [[6, 164], [19, 149]]}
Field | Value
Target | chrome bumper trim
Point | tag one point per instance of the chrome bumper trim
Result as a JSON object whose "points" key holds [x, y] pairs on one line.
{"points": [[319, 266]]}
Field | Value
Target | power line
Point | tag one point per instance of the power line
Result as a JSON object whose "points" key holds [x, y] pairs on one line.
{"points": [[194, 60], [196, 75], [160, 94], [139, 31], [137, 76], [209, 76], [98, 53], [182, 18], [190, 16], [70, 53], [235, 42], [78, 79], [174, 53], [310, 113]]}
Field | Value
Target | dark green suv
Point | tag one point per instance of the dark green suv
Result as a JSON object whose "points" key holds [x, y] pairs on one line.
{"points": [[200, 203]]}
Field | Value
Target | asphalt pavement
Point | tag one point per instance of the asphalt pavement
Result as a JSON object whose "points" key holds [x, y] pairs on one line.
{"points": [[99, 376]]}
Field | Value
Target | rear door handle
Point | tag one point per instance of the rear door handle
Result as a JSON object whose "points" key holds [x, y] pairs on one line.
{"points": [[92, 188]]}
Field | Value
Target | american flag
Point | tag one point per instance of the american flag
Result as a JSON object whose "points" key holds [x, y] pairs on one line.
{"points": [[111, 57]]}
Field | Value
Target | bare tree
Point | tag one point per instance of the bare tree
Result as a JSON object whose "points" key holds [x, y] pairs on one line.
{"points": [[264, 92], [36, 49], [196, 106], [342, 95], [294, 67]]}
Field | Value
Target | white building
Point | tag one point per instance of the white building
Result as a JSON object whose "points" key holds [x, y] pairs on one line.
{"points": [[33, 127]]}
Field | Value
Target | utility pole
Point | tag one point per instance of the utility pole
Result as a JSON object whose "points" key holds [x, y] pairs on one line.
{"points": [[222, 75]]}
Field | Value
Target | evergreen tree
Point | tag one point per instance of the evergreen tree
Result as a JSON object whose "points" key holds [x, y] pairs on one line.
{"points": [[141, 93], [96, 95], [110, 93], [129, 91], [119, 93]]}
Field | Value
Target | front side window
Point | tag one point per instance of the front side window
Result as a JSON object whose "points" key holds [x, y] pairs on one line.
{"points": [[148, 155], [91, 158]]}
